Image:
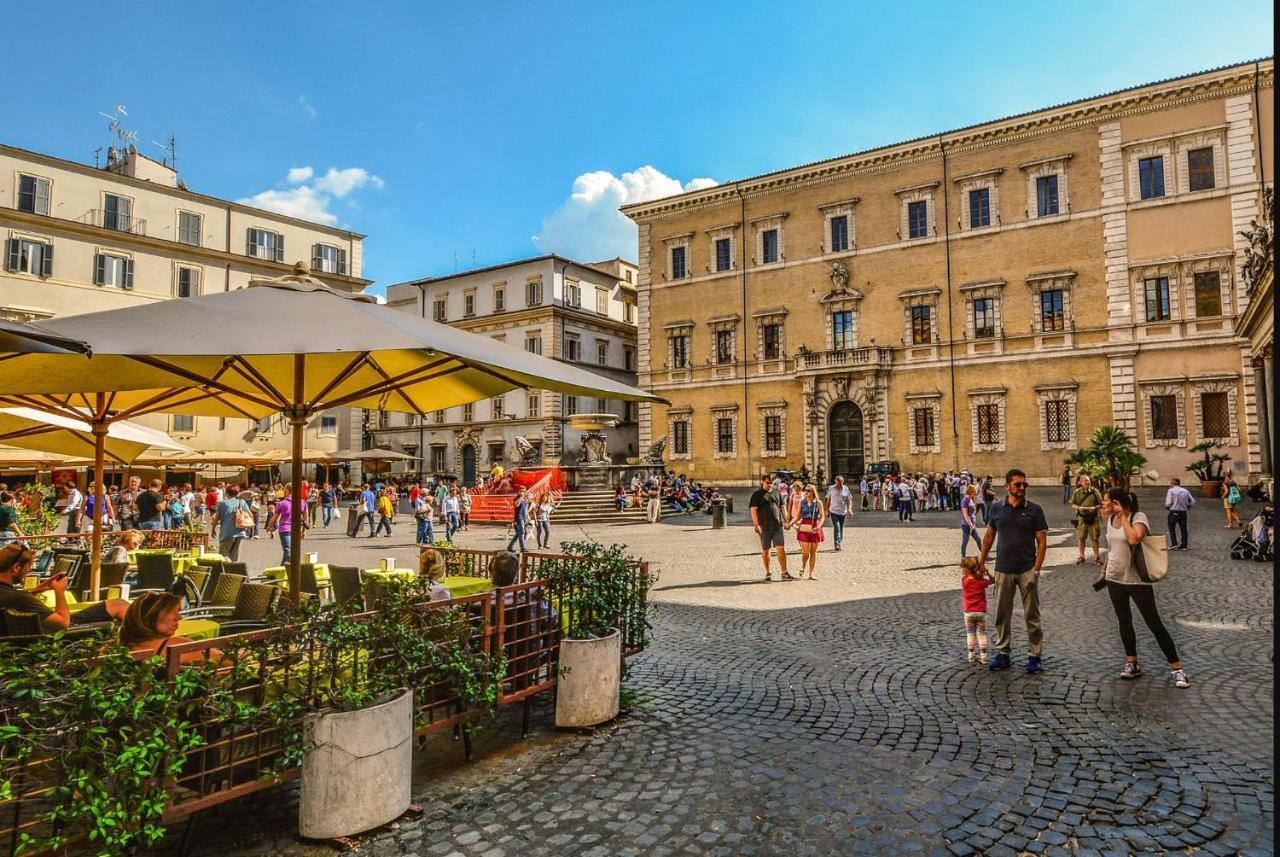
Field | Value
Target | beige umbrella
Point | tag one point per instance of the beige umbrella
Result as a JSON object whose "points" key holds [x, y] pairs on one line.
{"points": [[10, 457], [289, 345], [124, 441]]}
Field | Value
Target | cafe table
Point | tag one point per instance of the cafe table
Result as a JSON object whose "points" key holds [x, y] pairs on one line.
{"points": [[280, 572], [406, 574], [182, 564], [461, 585]]}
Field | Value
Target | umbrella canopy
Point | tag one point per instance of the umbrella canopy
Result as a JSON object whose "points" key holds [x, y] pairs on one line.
{"points": [[25, 458], [377, 455], [32, 429], [17, 338]]}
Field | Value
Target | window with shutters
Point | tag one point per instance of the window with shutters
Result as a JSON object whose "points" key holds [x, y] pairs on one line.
{"points": [[1057, 420], [327, 259], [438, 457], [533, 405], [724, 254], [842, 330], [724, 435], [440, 308], [112, 270], [923, 428], [572, 347], [533, 343], [1164, 417], [183, 424], [533, 293], [921, 325], [1156, 298], [572, 293], [602, 301], [680, 437], [497, 450], [1151, 177], [468, 304], [602, 352], [680, 351], [190, 227], [839, 233], [773, 433], [1215, 415], [384, 419], [628, 358], [630, 412], [629, 312], [117, 212], [328, 425], [988, 424], [918, 219], [468, 412], [1200, 169], [1052, 314], [570, 405], [679, 263], [264, 244], [27, 256], [979, 208], [499, 299], [187, 281], [33, 194], [439, 416], [1047, 196], [497, 407], [602, 406], [1208, 286], [984, 318]]}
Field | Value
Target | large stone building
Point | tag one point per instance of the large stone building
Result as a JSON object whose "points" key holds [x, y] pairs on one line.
{"points": [[981, 298], [580, 313], [81, 239]]}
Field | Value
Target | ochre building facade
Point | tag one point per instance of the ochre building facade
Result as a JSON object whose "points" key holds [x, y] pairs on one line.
{"points": [[983, 298]]}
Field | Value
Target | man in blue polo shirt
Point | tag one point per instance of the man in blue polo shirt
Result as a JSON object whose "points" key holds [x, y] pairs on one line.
{"points": [[1023, 532]]}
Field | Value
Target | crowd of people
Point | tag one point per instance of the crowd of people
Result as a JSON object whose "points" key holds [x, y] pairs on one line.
{"points": [[664, 487]]}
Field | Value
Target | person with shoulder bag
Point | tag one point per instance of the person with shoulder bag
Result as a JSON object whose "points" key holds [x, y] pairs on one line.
{"points": [[1086, 501], [235, 522], [1131, 569]]}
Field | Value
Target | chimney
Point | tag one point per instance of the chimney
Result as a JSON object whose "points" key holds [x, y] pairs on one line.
{"points": [[130, 162]]}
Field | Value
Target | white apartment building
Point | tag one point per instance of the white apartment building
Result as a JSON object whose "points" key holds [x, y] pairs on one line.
{"points": [[582, 313], [81, 239]]}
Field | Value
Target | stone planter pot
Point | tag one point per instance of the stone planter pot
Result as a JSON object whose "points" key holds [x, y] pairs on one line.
{"points": [[590, 683], [358, 771], [1211, 487]]}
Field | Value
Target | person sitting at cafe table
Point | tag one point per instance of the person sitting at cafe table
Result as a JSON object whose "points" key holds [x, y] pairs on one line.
{"points": [[130, 540], [9, 529], [16, 562], [151, 626], [431, 566]]}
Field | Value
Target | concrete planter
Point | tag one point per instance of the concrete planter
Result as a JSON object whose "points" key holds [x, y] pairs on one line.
{"points": [[358, 772], [590, 682]]}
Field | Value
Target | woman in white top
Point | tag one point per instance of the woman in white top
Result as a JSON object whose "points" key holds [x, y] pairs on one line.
{"points": [[1126, 528], [545, 507]]}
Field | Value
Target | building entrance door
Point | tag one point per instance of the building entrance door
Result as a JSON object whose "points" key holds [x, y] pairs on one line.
{"points": [[468, 465], [844, 441]]}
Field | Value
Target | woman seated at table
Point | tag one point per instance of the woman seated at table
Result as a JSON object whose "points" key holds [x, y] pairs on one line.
{"points": [[130, 540], [151, 626], [431, 566]]}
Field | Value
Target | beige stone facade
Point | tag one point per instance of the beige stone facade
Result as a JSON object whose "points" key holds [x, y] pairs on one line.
{"points": [[984, 298]]}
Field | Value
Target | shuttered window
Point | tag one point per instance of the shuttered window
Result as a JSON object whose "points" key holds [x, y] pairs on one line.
{"points": [[326, 259], [113, 270], [29, 257], [33, 194], [263, 244]]}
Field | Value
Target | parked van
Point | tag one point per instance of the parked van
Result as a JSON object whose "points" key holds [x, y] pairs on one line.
{"points": [[884, 468]]}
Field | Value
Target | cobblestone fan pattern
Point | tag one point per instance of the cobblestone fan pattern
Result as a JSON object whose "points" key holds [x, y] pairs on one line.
{"points": [[858, 728]]}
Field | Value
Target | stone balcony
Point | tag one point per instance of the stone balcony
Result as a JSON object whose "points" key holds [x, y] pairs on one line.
{"points": [[868, 359]]}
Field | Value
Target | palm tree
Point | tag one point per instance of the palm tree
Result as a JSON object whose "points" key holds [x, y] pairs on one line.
{"points": [[1110, 456]]}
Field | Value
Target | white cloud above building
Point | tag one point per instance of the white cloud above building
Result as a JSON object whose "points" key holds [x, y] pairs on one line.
{"points": [[309, 197]]}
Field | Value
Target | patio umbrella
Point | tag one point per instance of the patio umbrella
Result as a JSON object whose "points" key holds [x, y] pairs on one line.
{"points": [[18, 338], [290, 345], [25, 458]]}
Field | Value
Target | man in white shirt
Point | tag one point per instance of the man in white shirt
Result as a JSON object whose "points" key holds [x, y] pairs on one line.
{"points": [[863, 490], [1178, 500], [906, 496], [74, 507], [873, 488], [839, 498]]}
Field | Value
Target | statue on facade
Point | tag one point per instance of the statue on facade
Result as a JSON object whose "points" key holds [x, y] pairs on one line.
{"points": [[654, 455], [839, 277], [1261, 237], [529, 455]]}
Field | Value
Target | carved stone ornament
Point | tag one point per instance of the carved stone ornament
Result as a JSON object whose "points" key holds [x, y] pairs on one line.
{"points": [[529, 455], [1260, 257], [811, 400], [839, 277], [594, 448], [654, 455], [841, 384]]}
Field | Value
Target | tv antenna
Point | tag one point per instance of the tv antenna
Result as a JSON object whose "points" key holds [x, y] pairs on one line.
{"points": [[122, 139], [170, 147]]}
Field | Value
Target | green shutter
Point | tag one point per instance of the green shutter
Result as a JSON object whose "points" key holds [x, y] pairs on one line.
{"points": [[47, 267], [12, 254], [99, 270], [128, 274]]}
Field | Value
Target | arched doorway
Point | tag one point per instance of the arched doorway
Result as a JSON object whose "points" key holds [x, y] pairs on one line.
{"points": [[844, 441], [468, 465]]}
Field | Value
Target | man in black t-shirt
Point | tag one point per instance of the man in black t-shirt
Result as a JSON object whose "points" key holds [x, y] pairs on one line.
{"points": [[770, 524], [150, 504], [1023, 533]]}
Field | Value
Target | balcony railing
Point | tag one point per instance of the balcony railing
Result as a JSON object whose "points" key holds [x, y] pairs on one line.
{"points": [[115, 220], [841, 358]]}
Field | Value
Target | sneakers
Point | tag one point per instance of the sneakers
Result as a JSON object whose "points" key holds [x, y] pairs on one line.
{"points": [[973, 657], [768, 577], [1000, 662], [983, 658], [1033, 664], [1131, 670], [1180, 679]]}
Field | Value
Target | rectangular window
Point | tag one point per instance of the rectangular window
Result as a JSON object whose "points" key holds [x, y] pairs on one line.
{"points": [[979, 208], [680, 351], [188, 282], [326, 259], [921, 325], [262, 244], [468, 304], [112, 270], [117, 212], [439, 416], [328, 424], [572, 347], [533, 344], [1046, 196], [1057, 421], [602, 301], [1156, 298], [533, 293], [984, 318], [628, 358], [468, 413], [724, 346], [1151, 177], [773, 434], [440, 309], [630, 410], [499, 300], [1200, 168], [678, 266], [190, 225], [724, 434], [772, 335], [572, 293], [839, 233], [570, 405], [222, 423], [184, 424], [628, 312], [30, 257], [680, 437], [769, 246], [384, 419], [33, 194], [724, 254], [1164, 417], [437, 458], [1215, 415], [263, 426], [602, 352], [497, 408], [1208, 294], [1051, 314], [602, 406], [842, 330], [918, 219], [533, 405], [497, 450], [988, 424], [922, 426]]}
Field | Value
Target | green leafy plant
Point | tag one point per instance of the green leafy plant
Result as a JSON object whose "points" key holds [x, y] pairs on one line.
{"points": [[1110, 457], [36, 514], [597, 589], [1210, 467]]}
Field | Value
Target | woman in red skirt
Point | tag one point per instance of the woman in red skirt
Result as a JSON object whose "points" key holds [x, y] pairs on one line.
{"points": [[809, 529]]}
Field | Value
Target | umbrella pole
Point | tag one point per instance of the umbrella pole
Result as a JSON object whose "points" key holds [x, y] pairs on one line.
{"points": [[99, 494], [298, 424]]}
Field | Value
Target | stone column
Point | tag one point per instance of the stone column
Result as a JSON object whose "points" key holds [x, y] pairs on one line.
{"points": [[1267, 411]]}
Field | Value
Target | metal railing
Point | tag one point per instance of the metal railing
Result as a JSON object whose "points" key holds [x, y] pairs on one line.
{"points": [[176, 539], [115, 220]]}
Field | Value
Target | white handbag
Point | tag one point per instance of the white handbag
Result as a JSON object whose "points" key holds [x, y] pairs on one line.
{"points": [[1151, 558]]}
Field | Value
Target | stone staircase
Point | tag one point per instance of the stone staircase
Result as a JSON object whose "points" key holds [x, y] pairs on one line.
{"points": [[582, 507]]}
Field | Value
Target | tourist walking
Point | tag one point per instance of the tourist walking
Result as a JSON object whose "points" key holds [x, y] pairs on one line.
{"points": [[281, 520], [1066, 483], [546, 506], [366, 507], [973, 587], [1021, 530], [864, 491], [90, 499], [1086, 502], [328, 499], [127, 504], [968, 524], [424, 514], [770, 525], [839, 501], [232, 513], [519, 512], [464, 509], [1178, 501], [809, 527], [988, 497], [1230, 499], [449, 509], [1126, 528], [151, 507], [386, 511], [906, 498], [74, 508]]}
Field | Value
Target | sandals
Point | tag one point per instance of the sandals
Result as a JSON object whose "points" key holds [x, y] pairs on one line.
{"points": [[786, 576], [1080, 561]]}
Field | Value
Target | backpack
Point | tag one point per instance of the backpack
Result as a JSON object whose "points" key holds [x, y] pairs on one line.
{"points": [[1233, 495]]}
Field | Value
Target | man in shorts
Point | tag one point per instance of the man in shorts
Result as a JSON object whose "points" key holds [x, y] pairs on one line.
{"points": [[1086, 502], [770, 525]]}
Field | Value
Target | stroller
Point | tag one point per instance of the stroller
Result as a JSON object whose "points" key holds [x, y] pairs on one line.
{"points": [[1257, 542]]}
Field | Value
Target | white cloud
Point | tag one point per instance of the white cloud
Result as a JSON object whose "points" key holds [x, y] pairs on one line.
{"points": [[307, 107], [588, 224], [310, 198]]}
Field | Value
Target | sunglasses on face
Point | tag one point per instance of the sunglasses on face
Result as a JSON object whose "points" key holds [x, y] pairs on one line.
{"points": [[1017, 485]]}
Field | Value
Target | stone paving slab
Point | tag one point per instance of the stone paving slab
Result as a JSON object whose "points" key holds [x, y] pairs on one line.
{"points": [[839, 717]]}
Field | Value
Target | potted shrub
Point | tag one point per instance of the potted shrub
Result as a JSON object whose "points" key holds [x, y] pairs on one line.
{"points": [[1209, 469], [1109, 459], [597, 592]]}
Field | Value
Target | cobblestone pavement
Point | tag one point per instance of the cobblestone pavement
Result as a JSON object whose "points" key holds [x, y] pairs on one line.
{"points": [[851, 724]]}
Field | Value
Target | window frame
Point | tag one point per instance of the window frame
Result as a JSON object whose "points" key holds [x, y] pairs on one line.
{"points": [[533, 292], [842, 330], [839, 240], [1197, 293], [1168, 416], [1195, 172], [723, 347], [917, 327], [276, 244], [35, 194], [773, 442], [917, 230], [1053, 318], [1153, 180], [987, 313], [770, 246], [1043, 197], [680, 437], [194, 280], [680, 351], [440, 309], [1057, 411], [123, 220], [1162, 305], [979, 203], [1219, 397], [771, 346], [678, 261], [724, 263], [988, 423], [724, 434]]}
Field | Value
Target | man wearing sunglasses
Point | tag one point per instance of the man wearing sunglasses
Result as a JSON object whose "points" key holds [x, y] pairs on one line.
{"points": [[1023, 533]]}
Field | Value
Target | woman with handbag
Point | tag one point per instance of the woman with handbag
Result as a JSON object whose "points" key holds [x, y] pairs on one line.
{"points": [[234, 523], [811, 516], [1124, 580]]}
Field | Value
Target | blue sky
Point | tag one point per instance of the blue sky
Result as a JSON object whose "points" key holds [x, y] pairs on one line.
{"points": [[439, 129]]}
